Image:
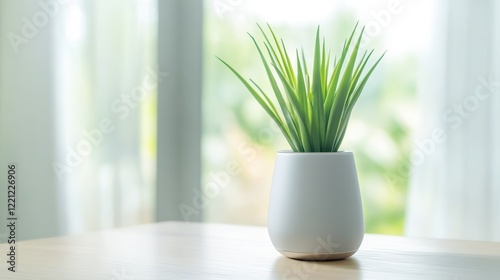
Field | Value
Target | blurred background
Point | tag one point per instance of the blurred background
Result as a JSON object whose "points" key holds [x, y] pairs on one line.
{"points": [[119, 112]]}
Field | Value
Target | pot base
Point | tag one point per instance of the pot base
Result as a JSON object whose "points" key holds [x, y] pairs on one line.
{"points": [[317, 256]]}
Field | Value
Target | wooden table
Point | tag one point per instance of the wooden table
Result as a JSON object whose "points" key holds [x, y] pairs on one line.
{"points": [[176, 250]]}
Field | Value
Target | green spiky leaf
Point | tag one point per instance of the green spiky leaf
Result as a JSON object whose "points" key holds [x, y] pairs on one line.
{"points": [[312, 111]]}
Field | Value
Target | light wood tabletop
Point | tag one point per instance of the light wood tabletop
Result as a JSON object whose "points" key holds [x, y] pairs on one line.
{"points": [[176, 250]]}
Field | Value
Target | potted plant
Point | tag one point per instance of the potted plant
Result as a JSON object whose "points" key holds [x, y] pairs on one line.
{"points": [[315, 210]]}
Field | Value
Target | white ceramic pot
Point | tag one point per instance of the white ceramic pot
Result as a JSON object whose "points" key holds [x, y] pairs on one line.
{"points": [[315, 210]]}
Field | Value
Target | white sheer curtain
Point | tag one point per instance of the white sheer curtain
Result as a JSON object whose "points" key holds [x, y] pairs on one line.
{"points": [[455, 186], [106, 79], [78, 107], [26, 121]]}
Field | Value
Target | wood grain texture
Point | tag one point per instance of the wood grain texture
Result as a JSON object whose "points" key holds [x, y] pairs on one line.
{"points": [[176, 250]]}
